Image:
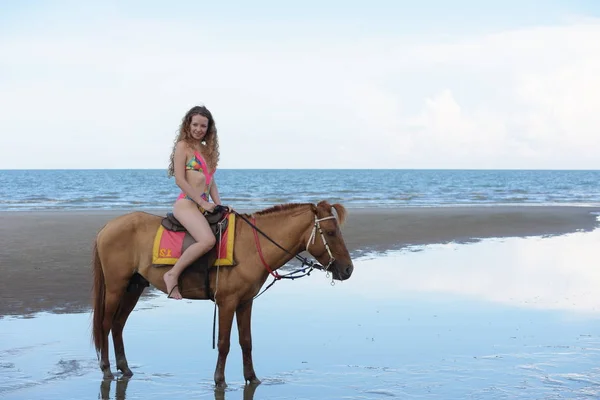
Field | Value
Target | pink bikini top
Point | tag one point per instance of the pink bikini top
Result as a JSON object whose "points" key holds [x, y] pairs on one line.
{"points": [[198, 163]]}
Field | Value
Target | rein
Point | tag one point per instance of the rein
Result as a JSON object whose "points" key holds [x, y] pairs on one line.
{"points": [[306, 263], [304, 260]]}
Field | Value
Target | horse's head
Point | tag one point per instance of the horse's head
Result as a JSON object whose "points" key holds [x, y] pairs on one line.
{"points": [[326, 243]]}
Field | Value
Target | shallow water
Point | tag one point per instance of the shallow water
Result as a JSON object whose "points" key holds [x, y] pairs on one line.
{"points": [[498, 319]]}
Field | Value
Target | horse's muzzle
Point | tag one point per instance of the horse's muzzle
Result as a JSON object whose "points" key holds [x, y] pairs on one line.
{"points": [[342, 272]]}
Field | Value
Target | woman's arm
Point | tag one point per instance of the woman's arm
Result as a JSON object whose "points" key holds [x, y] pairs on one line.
{"points": [[179, 161], [214, 192]]}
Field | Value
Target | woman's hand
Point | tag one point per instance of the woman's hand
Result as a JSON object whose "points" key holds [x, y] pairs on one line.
{"points": [[210, 207]]}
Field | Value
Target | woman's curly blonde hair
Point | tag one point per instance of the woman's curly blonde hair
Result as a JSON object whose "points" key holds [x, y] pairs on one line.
{"points": [[210, 150]]}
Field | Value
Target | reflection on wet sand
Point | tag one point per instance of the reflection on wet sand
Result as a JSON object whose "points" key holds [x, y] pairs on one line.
{"points": [[121, 390], [249, 390], [510, 318], [122, 383], [554, 273]]}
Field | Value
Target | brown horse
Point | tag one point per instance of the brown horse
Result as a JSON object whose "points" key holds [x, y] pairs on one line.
{"points": [[123, 252]]}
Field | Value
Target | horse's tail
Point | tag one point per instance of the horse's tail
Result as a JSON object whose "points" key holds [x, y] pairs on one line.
{"points": [[99, 295]]}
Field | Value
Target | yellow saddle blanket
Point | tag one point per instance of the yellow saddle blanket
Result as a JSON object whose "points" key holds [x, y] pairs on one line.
{"points": [[170, 244]]}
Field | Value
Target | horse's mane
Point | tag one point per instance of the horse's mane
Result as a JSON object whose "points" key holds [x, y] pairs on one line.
{"points": [[340, 210], [282, 207]]}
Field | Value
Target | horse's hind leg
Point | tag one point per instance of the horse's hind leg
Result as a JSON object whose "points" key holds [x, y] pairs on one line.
{"points": [[115, 293], [128, 302], [111, 304]]}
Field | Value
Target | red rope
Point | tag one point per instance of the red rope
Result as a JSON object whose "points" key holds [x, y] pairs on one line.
{"points": [[262, 258]]}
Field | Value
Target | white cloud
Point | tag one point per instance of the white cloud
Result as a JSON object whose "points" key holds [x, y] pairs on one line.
{"points": [[118, 88], [527, 100]]}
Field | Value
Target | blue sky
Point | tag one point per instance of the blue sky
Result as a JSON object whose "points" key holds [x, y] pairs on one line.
{"points": [[355, 18], [383, 84]]}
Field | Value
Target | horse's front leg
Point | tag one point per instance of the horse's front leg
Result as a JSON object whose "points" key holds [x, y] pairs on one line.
{"points": [[244, 322], [226, 311]]}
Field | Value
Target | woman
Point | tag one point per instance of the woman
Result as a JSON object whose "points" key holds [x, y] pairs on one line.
{"points": [[193, 163]]}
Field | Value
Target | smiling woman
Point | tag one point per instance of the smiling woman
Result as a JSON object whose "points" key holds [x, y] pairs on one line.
{"points": [[193, 163]]}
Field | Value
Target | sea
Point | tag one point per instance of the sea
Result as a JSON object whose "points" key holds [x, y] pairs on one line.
{"points": [[255, 189]]}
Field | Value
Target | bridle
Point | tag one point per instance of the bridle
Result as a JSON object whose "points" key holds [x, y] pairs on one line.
{"points": [[306, 263], [311, 239]]}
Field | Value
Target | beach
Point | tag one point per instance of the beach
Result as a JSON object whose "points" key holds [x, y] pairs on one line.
{"points": [[496, 318], [45, 257]]}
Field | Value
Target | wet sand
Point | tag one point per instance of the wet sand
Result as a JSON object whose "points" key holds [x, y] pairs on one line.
{"points": [[510, 318], [45, 256]]}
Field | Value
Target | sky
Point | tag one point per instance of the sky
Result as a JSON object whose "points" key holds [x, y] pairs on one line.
{"points": [[315, 84]]}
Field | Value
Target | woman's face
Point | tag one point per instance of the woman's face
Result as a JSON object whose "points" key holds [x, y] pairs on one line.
{"points": [[198, 127]]}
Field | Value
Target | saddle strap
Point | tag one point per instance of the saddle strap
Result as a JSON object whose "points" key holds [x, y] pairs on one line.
{"points": [[220, 228]]}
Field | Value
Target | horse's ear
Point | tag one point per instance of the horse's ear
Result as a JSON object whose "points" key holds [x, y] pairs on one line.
{"points": [[341, 212], [324, 204]]}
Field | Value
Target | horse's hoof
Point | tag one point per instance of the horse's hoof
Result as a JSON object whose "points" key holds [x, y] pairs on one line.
{"points": [[127, 373], [253, 381], [220, 385], [108, 375]]}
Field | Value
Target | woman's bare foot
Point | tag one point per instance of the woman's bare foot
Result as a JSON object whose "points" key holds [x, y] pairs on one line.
{"points": [[172, 288]]}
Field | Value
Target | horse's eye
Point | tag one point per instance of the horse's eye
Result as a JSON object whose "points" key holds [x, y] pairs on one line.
{"points": [[330, 233]]}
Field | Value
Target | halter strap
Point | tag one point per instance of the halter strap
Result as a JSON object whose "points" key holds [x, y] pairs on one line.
{"points": [[313, 235]]}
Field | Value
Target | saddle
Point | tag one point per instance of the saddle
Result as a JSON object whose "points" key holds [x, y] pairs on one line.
{"points": [[172, 239], [216, 221]]}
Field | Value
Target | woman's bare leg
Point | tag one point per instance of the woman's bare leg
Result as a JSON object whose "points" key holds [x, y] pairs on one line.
{"points": [[191, 218]]}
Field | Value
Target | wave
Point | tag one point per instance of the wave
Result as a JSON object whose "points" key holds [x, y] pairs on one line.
{"points": [[121, 189]]}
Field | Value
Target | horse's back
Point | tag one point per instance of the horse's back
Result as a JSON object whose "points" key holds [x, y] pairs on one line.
{"points": [[137, 222], [127, 240]]}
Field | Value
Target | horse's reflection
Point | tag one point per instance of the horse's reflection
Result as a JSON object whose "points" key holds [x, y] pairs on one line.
{"points": [[122, 383], [249, 390], [121, 389]]}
